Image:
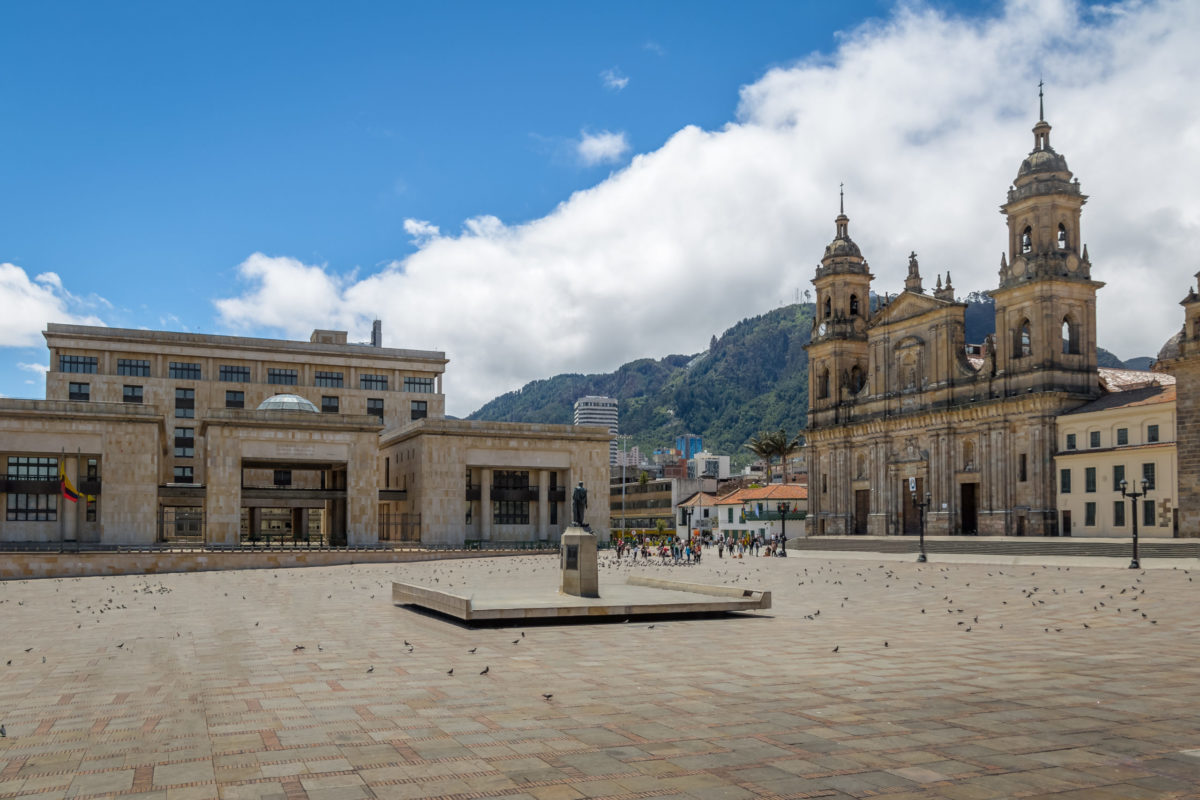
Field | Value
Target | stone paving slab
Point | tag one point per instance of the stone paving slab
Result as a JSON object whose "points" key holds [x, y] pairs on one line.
{"points": [[868, 677]]}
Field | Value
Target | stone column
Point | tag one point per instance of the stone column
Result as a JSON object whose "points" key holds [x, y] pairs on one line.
{"points": [[223, 493], [485, 503], [543, 531], [255, 522]]}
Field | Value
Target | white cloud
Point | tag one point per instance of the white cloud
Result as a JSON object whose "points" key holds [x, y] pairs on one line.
{"points": [[421, 231], [27, 305], [38, 369], [602, 147], [924, 116], [614, 79]]}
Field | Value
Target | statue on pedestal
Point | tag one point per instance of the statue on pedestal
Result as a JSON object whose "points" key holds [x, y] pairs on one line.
{"points": [[578, 505]]}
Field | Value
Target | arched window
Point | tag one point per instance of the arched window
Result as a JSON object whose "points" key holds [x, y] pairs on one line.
{"points": [[1027, 240], [1022, 341], [857, 379], [823, 384], [853, 305], [828, 307], [1070, 337], [1062, 237]]}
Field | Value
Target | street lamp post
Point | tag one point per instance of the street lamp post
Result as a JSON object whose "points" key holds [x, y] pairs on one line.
{"points": [[921, 510], [784, 507], [1133, 498], [624, 437]]}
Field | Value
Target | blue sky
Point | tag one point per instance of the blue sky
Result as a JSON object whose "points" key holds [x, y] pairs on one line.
{"points": [[465, 169]]}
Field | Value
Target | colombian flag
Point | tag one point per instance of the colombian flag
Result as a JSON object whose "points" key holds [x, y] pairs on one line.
{"points": [[68, 491]]}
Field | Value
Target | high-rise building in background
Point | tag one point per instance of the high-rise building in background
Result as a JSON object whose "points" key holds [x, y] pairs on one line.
{"points": [[597, 410], [689, 444]]}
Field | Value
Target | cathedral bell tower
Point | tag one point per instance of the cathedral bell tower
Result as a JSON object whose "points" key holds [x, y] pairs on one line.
{"points": [[1046, 303], [837, 351]]}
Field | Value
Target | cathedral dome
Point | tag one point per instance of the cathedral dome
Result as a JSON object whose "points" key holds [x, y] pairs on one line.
{"points": [[1043, 161], [287, 402], [842, 247], [1171, 348]]}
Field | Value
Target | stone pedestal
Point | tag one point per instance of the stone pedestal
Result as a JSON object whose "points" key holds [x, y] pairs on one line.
{"points": [[580, 569]]}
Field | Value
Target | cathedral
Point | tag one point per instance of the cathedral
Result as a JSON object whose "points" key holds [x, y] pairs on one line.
{"points": [[905, 416]]}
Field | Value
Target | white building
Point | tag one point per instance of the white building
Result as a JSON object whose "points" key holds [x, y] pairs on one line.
{"points": [[598, 410], [706, 465]]}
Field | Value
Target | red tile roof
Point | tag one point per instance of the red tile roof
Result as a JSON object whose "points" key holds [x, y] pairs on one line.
{"points": [[776, 491]]}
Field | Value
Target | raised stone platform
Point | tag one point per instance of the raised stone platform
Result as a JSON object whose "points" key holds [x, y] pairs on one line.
{"points": [[639, 596]]}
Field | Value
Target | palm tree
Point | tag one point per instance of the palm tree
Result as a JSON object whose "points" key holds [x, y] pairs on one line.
{"points": [[774, 444]]}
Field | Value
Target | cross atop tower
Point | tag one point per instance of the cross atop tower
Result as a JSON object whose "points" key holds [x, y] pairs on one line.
{"points": [[841, 198], [1041, 101]]}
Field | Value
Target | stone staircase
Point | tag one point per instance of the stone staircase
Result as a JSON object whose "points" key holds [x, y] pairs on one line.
{"points": [[1002, 546]]}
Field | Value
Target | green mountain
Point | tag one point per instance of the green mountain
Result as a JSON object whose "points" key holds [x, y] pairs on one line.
{"points": [[753, 378]]}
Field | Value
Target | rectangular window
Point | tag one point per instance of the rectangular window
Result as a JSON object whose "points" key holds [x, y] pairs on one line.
{"points": [[235, 399], [510, 512], [281, 377], [77, 364], [182, 475], [1094, 439], [330, 379], [230, 374], [1148, 476], [420, 409], [1118, 476], [329, 405], [79, 391], [1064, 481], [42, 507], [131, 394], [1089, 515], [1148, 513], [185, 403], [283, 477], [553, 505], [1022, 467], [730, 515], [133, 367], [1089, 480], [1118, 513], [185, 442], [375, 406], [90, 508], [1122, 436], [184, 370], [419, 385], [1070, 441], [1151, 433], [377, 382]]}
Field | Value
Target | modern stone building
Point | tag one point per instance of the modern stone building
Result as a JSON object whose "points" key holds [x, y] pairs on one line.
{"points": [[896, 400], [472, 481], [225, 440]]}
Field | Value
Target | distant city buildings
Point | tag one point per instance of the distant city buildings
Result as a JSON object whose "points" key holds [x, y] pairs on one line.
{"points": [[688, 445], [599, 410]]}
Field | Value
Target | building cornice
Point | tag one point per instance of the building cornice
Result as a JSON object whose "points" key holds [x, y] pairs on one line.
{"points": [[484, 429]]}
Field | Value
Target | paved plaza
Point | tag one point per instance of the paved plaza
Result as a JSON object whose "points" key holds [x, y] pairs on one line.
{"points": [[867, 678]]}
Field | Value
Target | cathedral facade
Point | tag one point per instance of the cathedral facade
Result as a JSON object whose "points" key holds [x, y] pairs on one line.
{"points": [[903, 415]]}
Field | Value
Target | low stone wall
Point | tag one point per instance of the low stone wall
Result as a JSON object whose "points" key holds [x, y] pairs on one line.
{"points": [[21, 566]]}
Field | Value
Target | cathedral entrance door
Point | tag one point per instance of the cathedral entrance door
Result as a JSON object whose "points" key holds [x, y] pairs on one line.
{"points": [[912, 514], [969, 503], [862, 507]]}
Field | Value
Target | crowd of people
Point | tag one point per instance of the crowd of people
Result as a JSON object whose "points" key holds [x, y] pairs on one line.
{"points": [[674, 550]]}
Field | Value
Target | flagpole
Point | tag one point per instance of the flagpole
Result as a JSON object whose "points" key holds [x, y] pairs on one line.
{"points": [[62, 517]]}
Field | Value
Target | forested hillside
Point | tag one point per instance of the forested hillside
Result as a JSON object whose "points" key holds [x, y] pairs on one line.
{"points": [[753, 378]]}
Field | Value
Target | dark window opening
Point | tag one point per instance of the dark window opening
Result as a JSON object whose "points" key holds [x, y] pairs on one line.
{"points": [[133, 367], [185, 403], [235, 399], [1065, 481], [1062, 237], [1022, 467], [184, 371], [853, 305], [1093, 438], [418, 385], [1089, 514], [182, 475], [77, 364], [185, 442], [230, 374], [375, 406], [1151, 433], [1118, 513], [420, 409], [282, 477], [131, 394], [1122, 436], [281, 377], [329, 405], [328, 379], [79, 391], [1027, 240], [378, 383], [1089, 480]]}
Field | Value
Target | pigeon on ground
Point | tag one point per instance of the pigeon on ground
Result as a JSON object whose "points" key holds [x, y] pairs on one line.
{"points": [[370, 670], [485, 671]]}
